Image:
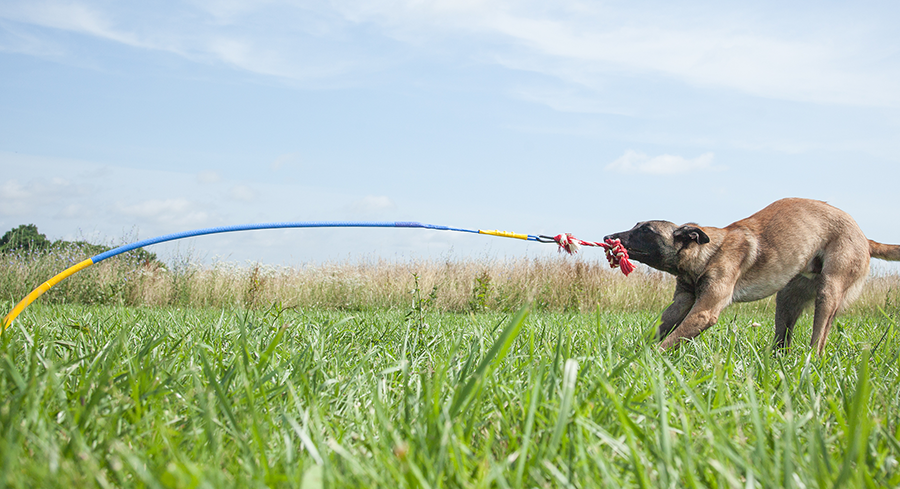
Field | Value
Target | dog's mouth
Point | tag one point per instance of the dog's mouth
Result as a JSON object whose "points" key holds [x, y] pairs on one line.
{"points": [[635, 252], [632, 252], [628, 248]]}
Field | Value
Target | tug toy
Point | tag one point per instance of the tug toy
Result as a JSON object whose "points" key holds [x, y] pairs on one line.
{"points": [[615, 252]]}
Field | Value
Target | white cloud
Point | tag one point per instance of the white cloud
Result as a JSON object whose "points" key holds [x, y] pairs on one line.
{"points": [[74, 17], [13, 190], [13, 199], [17, 199], [285, 159], [241, 53], [820, 56], [17, 39], [177, 211], [636, 162], [568, 99], [74, 211], [209, 176], [242, 193], [372, 204]]}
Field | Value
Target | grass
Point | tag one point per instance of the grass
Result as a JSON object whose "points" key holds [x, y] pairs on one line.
{"points": [[118, 396], [521, 373], [555, 283]]}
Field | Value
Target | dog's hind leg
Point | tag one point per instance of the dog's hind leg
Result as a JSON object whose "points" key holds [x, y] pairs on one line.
{"points": [[829, 298], [844, 271], [789, 304]]}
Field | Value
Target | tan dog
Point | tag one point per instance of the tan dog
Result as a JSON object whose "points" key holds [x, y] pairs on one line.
{"points": [[804, 250]]}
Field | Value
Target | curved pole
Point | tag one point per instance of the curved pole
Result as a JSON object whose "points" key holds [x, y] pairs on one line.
{"points": [[228, 229]]}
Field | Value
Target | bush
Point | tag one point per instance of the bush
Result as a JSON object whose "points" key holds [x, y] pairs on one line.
{"points": [[25, 237]]}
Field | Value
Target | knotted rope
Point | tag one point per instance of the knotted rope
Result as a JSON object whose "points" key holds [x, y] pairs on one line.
{"points": [[615, 252]]}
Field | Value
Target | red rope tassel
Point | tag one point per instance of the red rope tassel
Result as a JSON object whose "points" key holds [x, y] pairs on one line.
{"points": [[615, 252], [618, 256], [567, 243]]}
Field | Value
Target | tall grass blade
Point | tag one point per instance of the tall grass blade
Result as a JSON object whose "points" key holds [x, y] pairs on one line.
{"points": [[525, 448], [570, 378], [858, 427], [494, 355]]}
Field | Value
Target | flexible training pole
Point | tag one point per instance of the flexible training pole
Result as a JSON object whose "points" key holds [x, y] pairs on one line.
{"points": [[618, 257]]}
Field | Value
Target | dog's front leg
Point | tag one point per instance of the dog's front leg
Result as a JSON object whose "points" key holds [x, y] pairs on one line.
{"points": [[703, 315], [677, 310]]}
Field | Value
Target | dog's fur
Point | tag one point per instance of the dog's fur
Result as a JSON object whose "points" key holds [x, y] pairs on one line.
{"points": [[803, 250]]}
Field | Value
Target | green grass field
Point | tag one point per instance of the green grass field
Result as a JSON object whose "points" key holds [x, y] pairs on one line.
{"points": [[122, 396]]}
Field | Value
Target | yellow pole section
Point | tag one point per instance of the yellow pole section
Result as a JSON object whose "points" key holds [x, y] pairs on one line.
{"points": [[40, 290], [505, 234]]}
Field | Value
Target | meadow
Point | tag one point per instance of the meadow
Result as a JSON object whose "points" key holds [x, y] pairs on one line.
{"points": [[478, 373]]}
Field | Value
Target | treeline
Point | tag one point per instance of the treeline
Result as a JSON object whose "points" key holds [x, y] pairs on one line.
{"points": [[28, 240]]}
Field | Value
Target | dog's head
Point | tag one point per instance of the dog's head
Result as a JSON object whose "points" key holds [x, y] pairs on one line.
{"points": [[658, 243]]}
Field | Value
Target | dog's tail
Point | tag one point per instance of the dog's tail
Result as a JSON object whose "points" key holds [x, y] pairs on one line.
{"points": [[884, 251]]}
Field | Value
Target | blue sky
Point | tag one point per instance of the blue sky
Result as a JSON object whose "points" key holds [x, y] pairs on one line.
{"points": [[123, 120]]}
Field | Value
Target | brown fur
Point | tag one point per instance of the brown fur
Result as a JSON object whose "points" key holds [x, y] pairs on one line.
{"points": [[805, 251]]}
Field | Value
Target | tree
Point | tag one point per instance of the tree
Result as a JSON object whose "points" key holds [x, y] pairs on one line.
{"points": [[27, 237], [24, 237]]}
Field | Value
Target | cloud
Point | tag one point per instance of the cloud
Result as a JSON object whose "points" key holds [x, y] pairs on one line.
{"points": [[242, 193], [569, 99], [244, 54], [74, 211], [17, 199], [181, 212], [13, 199], [17, 39], [825, 55], [74, 17], [285, 159], [636, 162], [13, 190], [209, 176], [372, 204]]}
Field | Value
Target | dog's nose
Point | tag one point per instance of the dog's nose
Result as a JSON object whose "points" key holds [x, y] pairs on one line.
{"points": [[608, 236]]}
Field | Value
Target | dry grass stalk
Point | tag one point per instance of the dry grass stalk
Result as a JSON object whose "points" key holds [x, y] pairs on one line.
{"points": [[556, 283]]}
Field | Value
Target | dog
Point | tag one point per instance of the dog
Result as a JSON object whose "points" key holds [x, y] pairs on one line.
{"points": [[802, 250]]}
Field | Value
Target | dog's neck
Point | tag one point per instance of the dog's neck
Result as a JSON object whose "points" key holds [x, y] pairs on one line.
{"points": [[693, 257]]}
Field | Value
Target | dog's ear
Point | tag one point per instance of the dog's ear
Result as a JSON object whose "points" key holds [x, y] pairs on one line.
{"points": [[691, 233]]}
